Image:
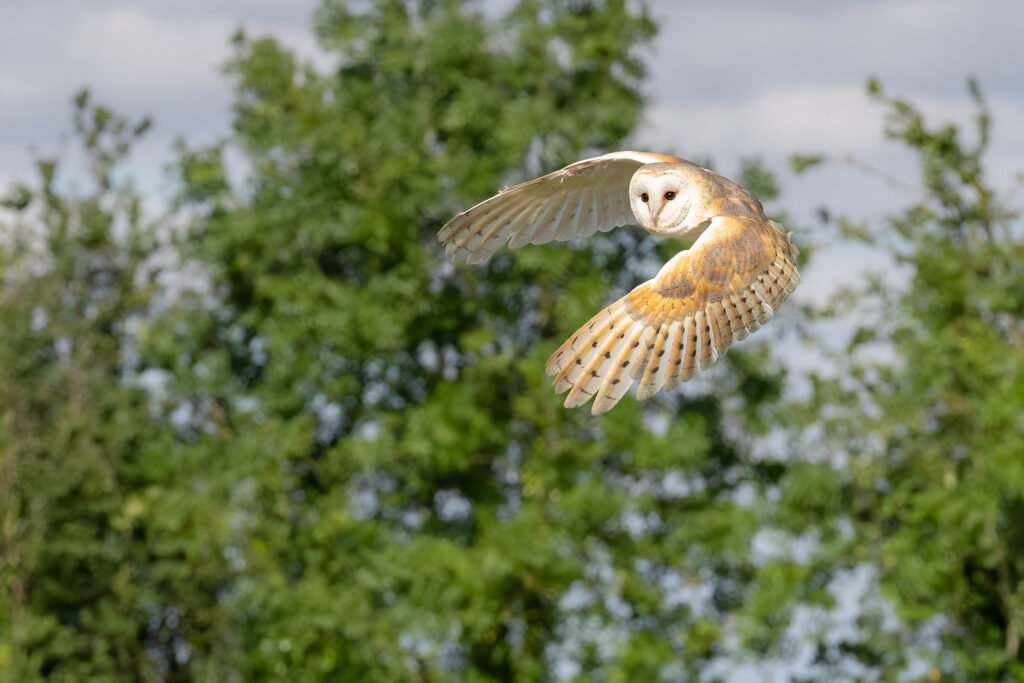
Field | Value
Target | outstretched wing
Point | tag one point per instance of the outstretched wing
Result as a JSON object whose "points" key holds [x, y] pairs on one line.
{"points": [[578, 200], [728, 284]]}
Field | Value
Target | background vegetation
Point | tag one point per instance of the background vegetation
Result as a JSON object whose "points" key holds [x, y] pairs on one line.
{"points": [[269, 433]]}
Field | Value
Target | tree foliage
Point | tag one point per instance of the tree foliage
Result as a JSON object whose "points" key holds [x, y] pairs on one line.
{"points": [[924, 412], [104, 551]]}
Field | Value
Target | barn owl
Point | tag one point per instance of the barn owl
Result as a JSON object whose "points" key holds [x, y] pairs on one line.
{"points": [[739, 269]]}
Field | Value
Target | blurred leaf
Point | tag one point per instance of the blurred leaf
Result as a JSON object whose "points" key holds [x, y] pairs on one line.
{"points": [[801, 163]]}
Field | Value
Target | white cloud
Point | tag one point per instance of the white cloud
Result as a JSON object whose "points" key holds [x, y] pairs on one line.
{"points": [[138, 57], [773, 123], [725, 49], [119, 48]]}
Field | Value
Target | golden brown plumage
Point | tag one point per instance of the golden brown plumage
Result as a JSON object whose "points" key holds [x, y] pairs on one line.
{"points": [[739, 270]]}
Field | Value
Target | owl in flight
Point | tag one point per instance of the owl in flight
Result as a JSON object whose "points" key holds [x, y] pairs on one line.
{"points": [[739, 269]]}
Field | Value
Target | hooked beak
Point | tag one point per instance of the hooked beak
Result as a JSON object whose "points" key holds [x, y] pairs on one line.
{"points": [[655, 214]]}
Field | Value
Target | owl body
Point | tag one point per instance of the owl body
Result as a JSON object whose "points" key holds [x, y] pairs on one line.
{"points": [[739, 269]]}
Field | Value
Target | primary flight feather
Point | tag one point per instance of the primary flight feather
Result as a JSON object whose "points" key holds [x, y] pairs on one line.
{"points": [[738, 271]]}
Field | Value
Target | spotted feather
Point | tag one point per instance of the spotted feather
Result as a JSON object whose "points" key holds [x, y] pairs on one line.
{"points": [[719, 291]]}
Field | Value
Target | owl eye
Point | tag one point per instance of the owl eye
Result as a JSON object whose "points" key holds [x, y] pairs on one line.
{"points": [[644, 197], [670, 195]]}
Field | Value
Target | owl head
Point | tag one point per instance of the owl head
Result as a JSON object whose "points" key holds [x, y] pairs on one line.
{"points": [[667, 198]]}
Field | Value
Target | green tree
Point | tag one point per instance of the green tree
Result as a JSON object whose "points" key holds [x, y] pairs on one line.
{"points": [[104, 570], [925, 413], [409, 500]]}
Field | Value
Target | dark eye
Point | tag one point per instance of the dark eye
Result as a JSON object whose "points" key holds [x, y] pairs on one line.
{"points": [[670, 195], [644, 197]]}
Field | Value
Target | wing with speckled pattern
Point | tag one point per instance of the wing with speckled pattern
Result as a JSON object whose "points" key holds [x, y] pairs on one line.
{"points": [[726, 286]]}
